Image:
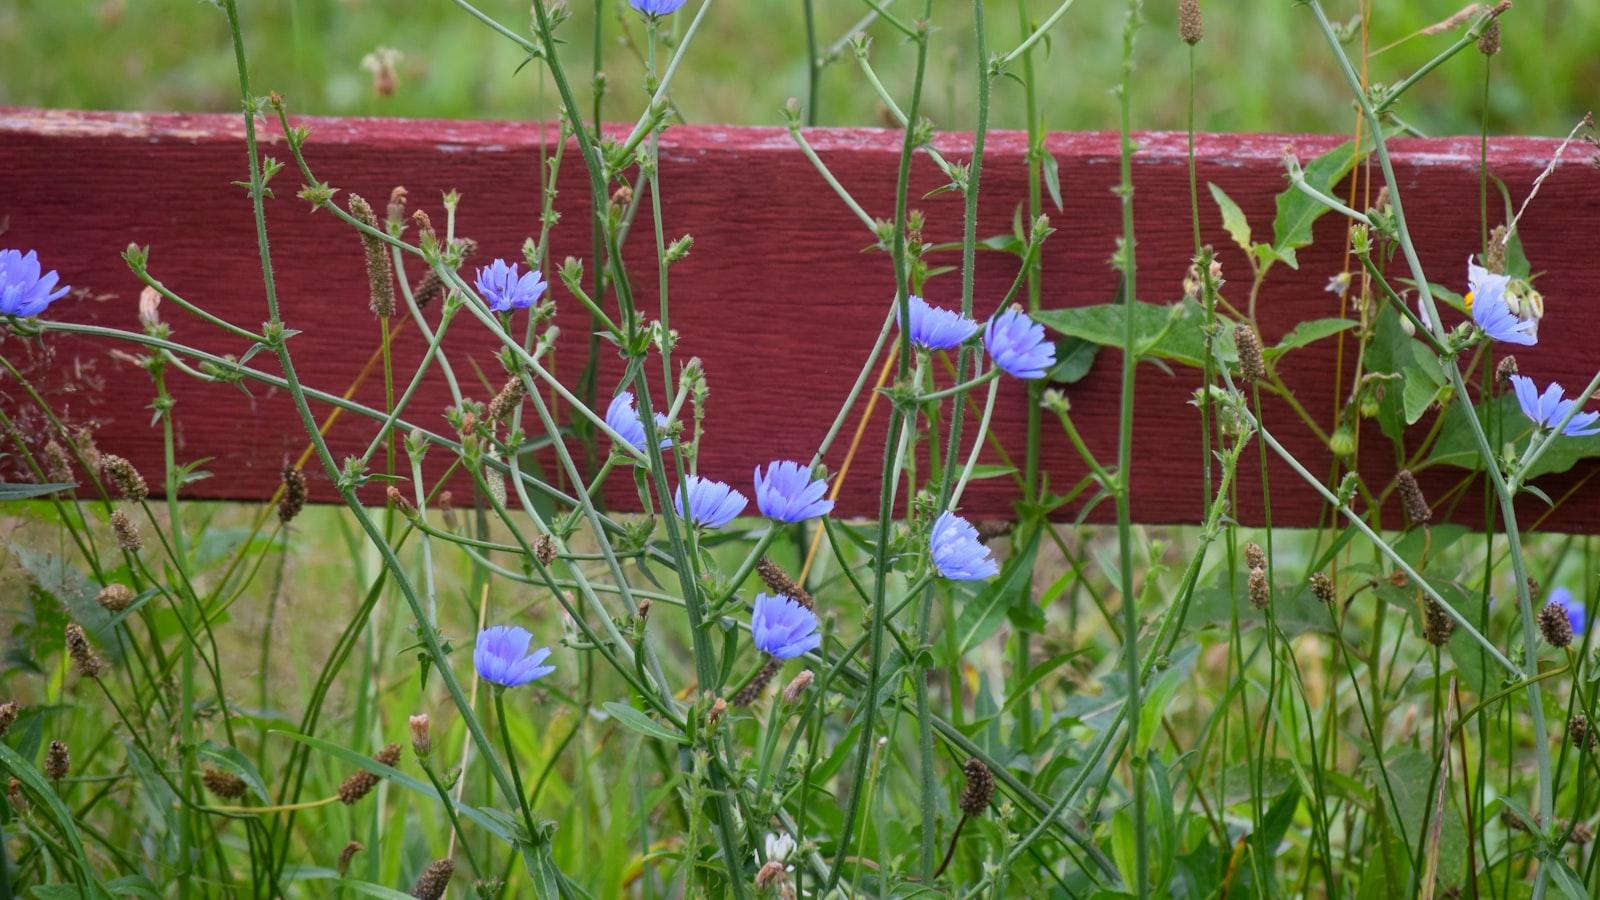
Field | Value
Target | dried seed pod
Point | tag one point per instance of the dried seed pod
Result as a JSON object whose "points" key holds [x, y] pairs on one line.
{"points": [[771, 875], [397, 209], [544, 549], [57, 761], [1411, 498], [84, 659], [505, 402], [9, 711], [1437, 626], [124, 477], [127, 533], [115, 597], [975, 797], [226, 785], [1489, 41], [1555, 625], [752, 691], [434, 879], [1504, 371], [1252, 366], [797, 686], [58, 467], [293, 498], [1260, 593], [780, 583], [1582, 734], [421, 739], [361, 783]]}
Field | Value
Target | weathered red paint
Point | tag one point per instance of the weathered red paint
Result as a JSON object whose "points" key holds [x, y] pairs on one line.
{"points": [[776, 297]]}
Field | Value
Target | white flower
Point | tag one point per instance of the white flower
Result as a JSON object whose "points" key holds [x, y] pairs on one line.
{"points": [[779, 847]]}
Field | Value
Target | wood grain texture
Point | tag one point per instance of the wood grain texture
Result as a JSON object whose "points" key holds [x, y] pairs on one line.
{"points": [[777, 296]]}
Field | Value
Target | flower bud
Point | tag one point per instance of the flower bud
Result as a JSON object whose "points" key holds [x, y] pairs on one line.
{"points": [[421, 739], [797, 686]]}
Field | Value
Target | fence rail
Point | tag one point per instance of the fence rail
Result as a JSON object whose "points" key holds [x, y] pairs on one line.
{"points": [[777, 297]]}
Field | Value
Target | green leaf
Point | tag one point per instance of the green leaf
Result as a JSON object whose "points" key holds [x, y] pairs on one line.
{"points": [[1505, 424], [1074, 357], [57, 577], [1297, 211], [24, 491], [981, 618], [1310, 332], [43, 795], [1233, 220], [1566, 879], [1172, 332], [1052, 179], [232, 760], [634, 720]]}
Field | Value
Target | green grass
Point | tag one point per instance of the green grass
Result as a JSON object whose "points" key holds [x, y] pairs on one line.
{"points": [[1262, 67]]}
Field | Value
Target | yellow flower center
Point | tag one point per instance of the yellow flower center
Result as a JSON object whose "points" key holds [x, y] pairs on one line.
{"points": [[1468, 301]]}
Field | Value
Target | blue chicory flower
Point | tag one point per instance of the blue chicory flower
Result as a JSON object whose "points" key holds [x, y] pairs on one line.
{"points": [[657, 7], [623, 418], [783, 628], [1486, 298], [1547, 409], [711, 503], [501, 657], [23, 291], [1575, 612], [503, 290], [786, 492], [933, 328], [1016, 344], [957, 552]]}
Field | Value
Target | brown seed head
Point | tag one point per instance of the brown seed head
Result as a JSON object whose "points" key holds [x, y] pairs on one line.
{"points": [[797, 686], [1489, 41], [293, 498], [57, 761], [1411, 498], [84, 659], [434, 879], [226, 785], [380, 272], [1322, 588], [1252, 366], [1581, 834], [975, 797], [644, 610], [1437, 626], [14, 794], [1260, 593], [1189, 26], [780, 583], [505, 402], [124, 477], [115, 597], [1582, 734], [544, 549], [1495, 258], [1254, 556], [361, 783], [1555, 625], [752, 691], [58, 466], [348, 853], [127, 533], [8, 716], [1504, 371]]}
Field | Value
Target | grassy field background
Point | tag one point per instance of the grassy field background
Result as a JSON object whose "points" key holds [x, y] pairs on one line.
{"points": [[1256, 73]]}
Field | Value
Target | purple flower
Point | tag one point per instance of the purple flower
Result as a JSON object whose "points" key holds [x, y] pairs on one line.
{"points": [[1575, 613], [623, 418], [787, 493], [1486, 299], [711, 503], [957, 553], [23, 292], [504, 291], [501, 656], [657, 7], [781, 627], [1016, 344], [933, 328], [1547, 409]]}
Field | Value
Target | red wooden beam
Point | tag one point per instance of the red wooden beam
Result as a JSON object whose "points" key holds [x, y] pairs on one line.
{"points": [[777, 297]]}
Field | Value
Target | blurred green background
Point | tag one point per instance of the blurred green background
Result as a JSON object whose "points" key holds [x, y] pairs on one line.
{"points": [[1262, 65]]}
